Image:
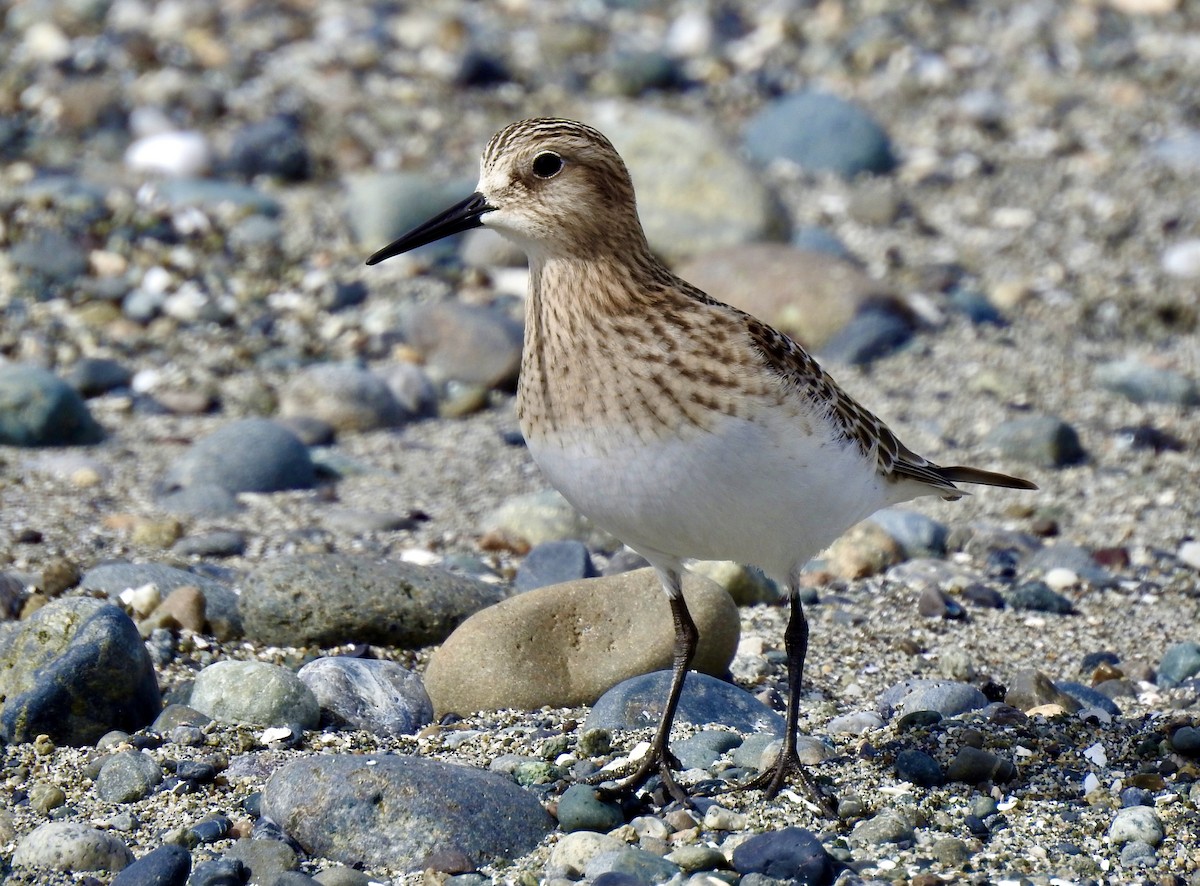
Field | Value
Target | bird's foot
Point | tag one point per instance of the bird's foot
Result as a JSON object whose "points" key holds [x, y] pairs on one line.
{"points": [[656, 762], [788, 768]]}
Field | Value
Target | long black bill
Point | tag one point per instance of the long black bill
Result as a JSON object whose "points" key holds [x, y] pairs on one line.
{"points": [[458, 218]]}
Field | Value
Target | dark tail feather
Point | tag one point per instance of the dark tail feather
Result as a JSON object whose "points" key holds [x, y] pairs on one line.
{"points": [[962, 474]]}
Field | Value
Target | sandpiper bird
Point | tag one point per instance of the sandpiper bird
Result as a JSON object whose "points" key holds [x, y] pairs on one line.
{"points": [[685, 427]]}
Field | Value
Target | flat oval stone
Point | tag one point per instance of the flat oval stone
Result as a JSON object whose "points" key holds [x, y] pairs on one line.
{"points": [[393, 811], [72, 846], [381, 697], [637, 703], [564, 645], [254, 692]]}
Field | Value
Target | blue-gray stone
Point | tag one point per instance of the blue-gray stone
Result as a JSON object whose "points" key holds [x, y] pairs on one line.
{"points": [[1089, 697], [974, 766], [1186, 740], [74, 670], [248, 455], [1073, 557], [382, 206], [637, 703], [214, 195], [1136, 823], [50, 255], [870, 335], [1136, 854], [704, 748], [1037, 596], [328, 599], [388, 810], [1132, 796], [792, 854], [216, 543], [37, 408], [580, 808], [220, 602], [256, 693], [1179, 152], [1179, 663], [380, 697], [220, 872], [1142, 383], [274, 147], [645, 866], [919, 768], [93, 376], [128, 776], [976, 307], [817, 239], [168, 865], [200, 500], [918, 535], [947, 697], [1042, 440], [554, 562], [820, 132]]}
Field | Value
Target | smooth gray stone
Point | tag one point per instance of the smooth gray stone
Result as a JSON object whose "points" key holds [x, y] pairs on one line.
{"points": [[637, 703], [947, 697], [168, 865], [128, 776], [254, 692], [248, 455], [72, 846], [393, 811], [380, 697], [37, 408]]}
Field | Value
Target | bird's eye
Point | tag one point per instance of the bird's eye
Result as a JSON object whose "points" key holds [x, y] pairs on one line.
{"points": [[547, 164]]}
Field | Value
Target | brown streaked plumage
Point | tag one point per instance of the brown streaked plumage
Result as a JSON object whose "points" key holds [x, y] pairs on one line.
{"points": [[686, 428]]}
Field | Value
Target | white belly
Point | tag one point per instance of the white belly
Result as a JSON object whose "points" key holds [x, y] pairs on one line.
{"points": [[757, 492]]}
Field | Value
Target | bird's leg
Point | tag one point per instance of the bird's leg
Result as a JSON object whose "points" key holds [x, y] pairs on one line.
{"points": [[795, 640], [659, 758]]}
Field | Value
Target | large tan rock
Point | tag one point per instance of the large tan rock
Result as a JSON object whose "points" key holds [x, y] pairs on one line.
{"points": [[565, 644], [809, 295]]}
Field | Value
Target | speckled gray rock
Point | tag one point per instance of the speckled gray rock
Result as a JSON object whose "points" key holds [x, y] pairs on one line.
{"points": [[1042, 440], [254, 692], [580, 808], [638, 865], [1139, 823], [381, 697], [37, 408], [947, 697], [791, 854], [886, 826], [266, 859], [382, 206], [394, 810], [665, 153], [72, 846], [637, 703], [220, 602], [327, 599], [553, 562], [347, 397], [464, 342], [556, 645], [75, 670], [128, 776], [248, 455], [820, 132], [570, 855]]}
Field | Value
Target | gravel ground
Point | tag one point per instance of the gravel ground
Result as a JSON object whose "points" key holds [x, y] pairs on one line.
{"points": [[1030, 137]]}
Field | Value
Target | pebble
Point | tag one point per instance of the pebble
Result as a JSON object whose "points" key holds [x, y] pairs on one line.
{"points": [[267, 860], [820, 133], [50, 260], [256, 693], [346, 397], [168, 865], [638, 865], [554, 646], [703, 749], [382, 206], [809, 295], [919, 536], [1182, 259], [1180, 662], [871, 335], [200, 500], [554, 562], [221, 615], [247, 455], [1189, 554], [918, 767], [380, 697], [536, 517], [466, 343], [856, 723], [946, 697], [663, 150], [790, 854], [570, 855], [71, 846], [974, 766], [392, 810], [74, 670], [219, 872], [178, 154], [274, 146], [1073, 559], [745, 584], [1140, 823], [886, 826], [94, 376], [864, 550], [934, 603], [1088, 697], [637, 703], [37, 408], [1037, 596], [128, 776], [1031, 689], [1041, 440], [327, 599], [412, 388], [1142, 383], [1186, 740], [580, 808], [217, 543]]}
